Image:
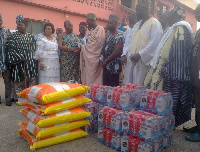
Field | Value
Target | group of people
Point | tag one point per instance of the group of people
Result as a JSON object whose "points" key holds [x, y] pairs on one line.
{"points": [[160, 54]]}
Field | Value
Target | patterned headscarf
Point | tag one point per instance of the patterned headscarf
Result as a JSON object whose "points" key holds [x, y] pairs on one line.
{"points": [[19, 17], [144, 3], [83, 23], [23, 21], [179, 11]]}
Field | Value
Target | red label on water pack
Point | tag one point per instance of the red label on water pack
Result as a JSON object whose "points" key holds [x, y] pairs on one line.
{"points": [[135, 120], [94, 90], [151, 98], [108, 133], [116, 95], [107, 115], [133, 143]]}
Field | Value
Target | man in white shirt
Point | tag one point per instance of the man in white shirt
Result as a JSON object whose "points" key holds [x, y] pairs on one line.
{"points": [[146, 36]]}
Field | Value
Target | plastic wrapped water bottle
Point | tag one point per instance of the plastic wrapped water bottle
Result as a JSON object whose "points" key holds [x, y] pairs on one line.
{"points": [[116, 122], [115, 142]]}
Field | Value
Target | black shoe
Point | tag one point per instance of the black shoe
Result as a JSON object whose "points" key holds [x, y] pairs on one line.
{"points": [[8, 103], [14, 100], [190, 130], [195, 137]]}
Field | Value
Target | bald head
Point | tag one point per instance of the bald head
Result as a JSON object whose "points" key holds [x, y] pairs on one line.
{"points": [[68, 26], [91, 16], [67, 22], [91, 20], [114, 18], [113, 23]]}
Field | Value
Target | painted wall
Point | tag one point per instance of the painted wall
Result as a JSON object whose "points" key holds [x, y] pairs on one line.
{"points": [[190, 17], [65, 11]]}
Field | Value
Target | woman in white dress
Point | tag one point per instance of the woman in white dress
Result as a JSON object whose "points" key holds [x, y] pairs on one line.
{"points": [[48, 56]]}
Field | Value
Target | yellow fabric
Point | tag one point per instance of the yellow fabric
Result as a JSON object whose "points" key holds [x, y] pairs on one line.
{"points": [[153, 76], [140, 38]]}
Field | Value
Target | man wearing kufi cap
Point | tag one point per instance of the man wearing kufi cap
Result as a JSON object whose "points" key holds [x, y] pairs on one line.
{"points": [[19, 17], [20, 50], [146, 36], [170, 66], [4, 33]]}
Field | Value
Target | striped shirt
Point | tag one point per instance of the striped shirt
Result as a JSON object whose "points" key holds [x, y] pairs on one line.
{"points": [[21, 46]]}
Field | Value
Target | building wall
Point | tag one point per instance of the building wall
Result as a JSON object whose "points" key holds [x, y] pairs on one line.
{"points": [[190, 14], [190, 17], [65, 10]]}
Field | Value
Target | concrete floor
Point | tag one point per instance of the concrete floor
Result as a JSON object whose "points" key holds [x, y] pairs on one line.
{"points": [[10, 141]]}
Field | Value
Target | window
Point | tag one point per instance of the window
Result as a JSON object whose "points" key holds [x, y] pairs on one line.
{"points": [[151, 6], [127, 3], [34, 27], [161, 8]]}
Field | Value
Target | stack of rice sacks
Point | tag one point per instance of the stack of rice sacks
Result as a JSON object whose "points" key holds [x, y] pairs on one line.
{"points": [[136, 119], [53, 113], [98, 96]]}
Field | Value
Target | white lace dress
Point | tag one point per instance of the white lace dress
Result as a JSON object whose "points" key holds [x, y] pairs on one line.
{"points": [[47, 50]]}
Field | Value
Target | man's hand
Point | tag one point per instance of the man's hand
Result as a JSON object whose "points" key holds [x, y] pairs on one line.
{"points": [[104, 63], [75, 49], [123, 59], [22, 60], [135, 57]]}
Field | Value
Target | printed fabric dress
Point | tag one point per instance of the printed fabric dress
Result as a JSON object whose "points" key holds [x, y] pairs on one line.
{"points": [[47, 50], [70, 61]]}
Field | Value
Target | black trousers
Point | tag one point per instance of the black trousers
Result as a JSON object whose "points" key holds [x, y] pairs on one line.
{"points": [[110, 79], [197, 105], [7, 82]]}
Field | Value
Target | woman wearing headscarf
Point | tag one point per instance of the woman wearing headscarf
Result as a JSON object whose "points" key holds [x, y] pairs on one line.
{"points": [[170, 66]]}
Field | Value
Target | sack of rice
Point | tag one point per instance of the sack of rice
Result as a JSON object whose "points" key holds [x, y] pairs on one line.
{"points": [[51, 130], [52, 92], [56, 118], [54, 139], [57, 106]]}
